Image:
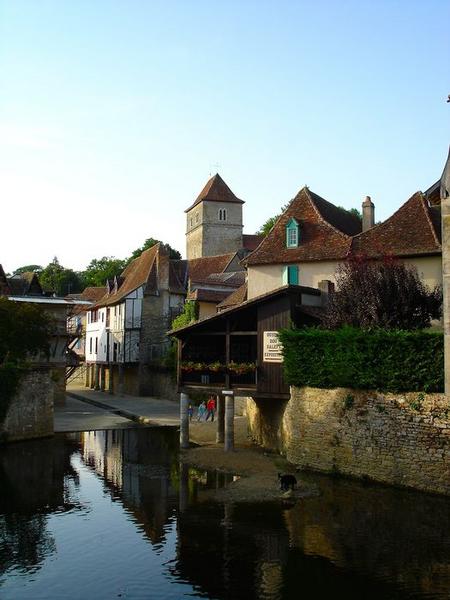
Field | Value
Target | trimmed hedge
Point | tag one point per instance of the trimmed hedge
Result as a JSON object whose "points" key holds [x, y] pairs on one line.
{"points": [[390, 361]]}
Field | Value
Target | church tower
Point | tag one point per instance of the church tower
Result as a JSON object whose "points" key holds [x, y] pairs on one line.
{"points": [[214, 221]]}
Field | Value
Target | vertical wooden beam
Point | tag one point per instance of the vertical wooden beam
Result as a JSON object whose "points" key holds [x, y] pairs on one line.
{"points": [[184, 421], [179, 359], [220, 434], [229, 423], [97, 377]]}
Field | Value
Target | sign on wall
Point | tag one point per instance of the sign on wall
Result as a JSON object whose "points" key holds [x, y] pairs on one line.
{"points": [[272, 348]]}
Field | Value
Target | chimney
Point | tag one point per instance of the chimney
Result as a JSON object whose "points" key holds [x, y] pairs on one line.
{"points": [[326, 288], [368, 214]]}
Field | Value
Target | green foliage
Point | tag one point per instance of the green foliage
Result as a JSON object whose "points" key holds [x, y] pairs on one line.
{"points": [[29, 269], [56, 278], [23, 332], [349, 401], [189, 315], [352, 211], [382, 294], [101, 269], [268, 225], [392, 361], [152, 242]]}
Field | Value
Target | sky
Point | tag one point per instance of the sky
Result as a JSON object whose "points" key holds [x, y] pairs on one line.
{"points": [[114, 114]]}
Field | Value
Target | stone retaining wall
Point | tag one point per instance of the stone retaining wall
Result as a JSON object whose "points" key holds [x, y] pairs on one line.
{"points": [[30, 413], [400, 439]]}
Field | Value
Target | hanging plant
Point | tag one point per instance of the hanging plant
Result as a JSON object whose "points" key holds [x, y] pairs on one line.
{"points": [[241, 368]]}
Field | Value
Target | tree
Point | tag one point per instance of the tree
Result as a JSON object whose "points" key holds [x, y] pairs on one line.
{"points": [[101, 269], [188, 316], [268, 225], [385, 293], [151, 242], [24, 331], [55, 278], [28, 269]]}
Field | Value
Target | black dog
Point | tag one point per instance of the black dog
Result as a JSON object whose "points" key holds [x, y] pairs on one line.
{"points": [[287, 481]]}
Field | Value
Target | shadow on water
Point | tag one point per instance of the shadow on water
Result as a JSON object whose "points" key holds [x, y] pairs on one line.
{"points": [[152, 531]]}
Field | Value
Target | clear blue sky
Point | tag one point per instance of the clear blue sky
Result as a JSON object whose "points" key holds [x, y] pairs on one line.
{"points": [[114, 113]]}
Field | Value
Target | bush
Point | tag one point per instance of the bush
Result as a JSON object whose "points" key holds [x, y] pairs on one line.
{"points": [[189, 315], [391, 361]]}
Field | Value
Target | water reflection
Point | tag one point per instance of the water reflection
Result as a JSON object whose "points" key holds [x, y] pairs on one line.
{"points": [[120, 500]]}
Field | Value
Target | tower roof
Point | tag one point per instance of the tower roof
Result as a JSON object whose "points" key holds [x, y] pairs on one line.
{"points": [[216, 190]]}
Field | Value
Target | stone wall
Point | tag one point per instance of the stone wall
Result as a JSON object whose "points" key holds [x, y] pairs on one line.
{"points": [[400, 439], [163, 384], [30, 413]]}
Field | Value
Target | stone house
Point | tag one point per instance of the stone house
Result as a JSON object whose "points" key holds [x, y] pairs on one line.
{"points": [[313, 237], [126, 329]]}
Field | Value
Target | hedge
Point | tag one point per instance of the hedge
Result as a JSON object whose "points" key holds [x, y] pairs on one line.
{"points": [[390, 361]]}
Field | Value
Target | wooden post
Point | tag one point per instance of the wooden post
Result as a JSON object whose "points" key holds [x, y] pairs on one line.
{"points": [[229, 421], [111, 378], [86, 375], [97, 377], [220, 434], [184, 421], [102, 377], [92, 377], [120, 383]]}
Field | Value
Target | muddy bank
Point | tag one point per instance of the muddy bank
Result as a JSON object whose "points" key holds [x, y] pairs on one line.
{"points": [[257, 470]]}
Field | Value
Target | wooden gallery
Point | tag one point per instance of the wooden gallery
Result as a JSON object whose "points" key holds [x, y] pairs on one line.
{"points": [[236, 353]]}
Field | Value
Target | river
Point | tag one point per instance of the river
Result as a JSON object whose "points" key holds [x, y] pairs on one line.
{"points": [[113, 514]]}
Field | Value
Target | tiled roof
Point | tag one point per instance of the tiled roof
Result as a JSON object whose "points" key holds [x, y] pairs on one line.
{"points": [[413, 229], [92, 293], [199, 269], [227, 279], [251, 241], [237, 297], [24, 284], [140, 271], [203, 295], [178, 276], [324, 232], [216, 190]]}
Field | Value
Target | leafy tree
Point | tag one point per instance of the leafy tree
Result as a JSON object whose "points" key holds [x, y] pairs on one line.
{"points": [[24, 331], [151, 242], [189, 315], [28, 269], [268, 225], [385, 294], [101, 269], [55, 278], [353, 211]]}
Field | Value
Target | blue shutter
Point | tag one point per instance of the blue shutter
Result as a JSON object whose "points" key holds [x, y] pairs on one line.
{"points": [[293, 275]]}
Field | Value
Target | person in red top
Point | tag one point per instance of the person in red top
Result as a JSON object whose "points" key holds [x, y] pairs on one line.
{"points": [[210, 408]]}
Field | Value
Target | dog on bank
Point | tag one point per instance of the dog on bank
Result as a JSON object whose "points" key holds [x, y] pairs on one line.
{"points": [[287, 481]]}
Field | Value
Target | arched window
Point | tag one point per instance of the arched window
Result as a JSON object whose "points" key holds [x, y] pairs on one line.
{"points": [[222, 214], [292, 236]]}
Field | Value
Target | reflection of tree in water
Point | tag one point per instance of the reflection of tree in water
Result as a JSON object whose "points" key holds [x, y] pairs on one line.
{"points": [[34, 479]]}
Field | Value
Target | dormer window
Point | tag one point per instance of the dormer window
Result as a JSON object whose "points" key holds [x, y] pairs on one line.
{"points": [[292, 234], [222, 214]]}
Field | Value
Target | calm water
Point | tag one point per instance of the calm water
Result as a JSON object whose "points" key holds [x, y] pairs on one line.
{"points": [[111, 514]]}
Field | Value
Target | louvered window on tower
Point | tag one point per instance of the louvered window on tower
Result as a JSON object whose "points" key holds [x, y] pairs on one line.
{"points": [[222, 214]]}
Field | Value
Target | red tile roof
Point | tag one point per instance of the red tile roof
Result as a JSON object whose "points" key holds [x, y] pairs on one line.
{"points": [[237, 297], [251, 241], [140, 271], [414, 229], [199, 269], [216, 190], [324, 232], [202, 295]]}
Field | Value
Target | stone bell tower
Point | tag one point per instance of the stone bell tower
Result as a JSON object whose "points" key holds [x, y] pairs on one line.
{"points": [[214, 222]]}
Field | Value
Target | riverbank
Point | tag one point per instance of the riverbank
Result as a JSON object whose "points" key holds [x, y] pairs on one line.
{"points": [[256, 471]]}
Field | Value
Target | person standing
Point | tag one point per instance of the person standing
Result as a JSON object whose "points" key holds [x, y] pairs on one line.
{"points": [[210, 408], [201, 411]]}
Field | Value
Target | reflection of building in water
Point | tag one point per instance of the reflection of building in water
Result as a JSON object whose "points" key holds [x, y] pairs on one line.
{"points": [[139, 466]]}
